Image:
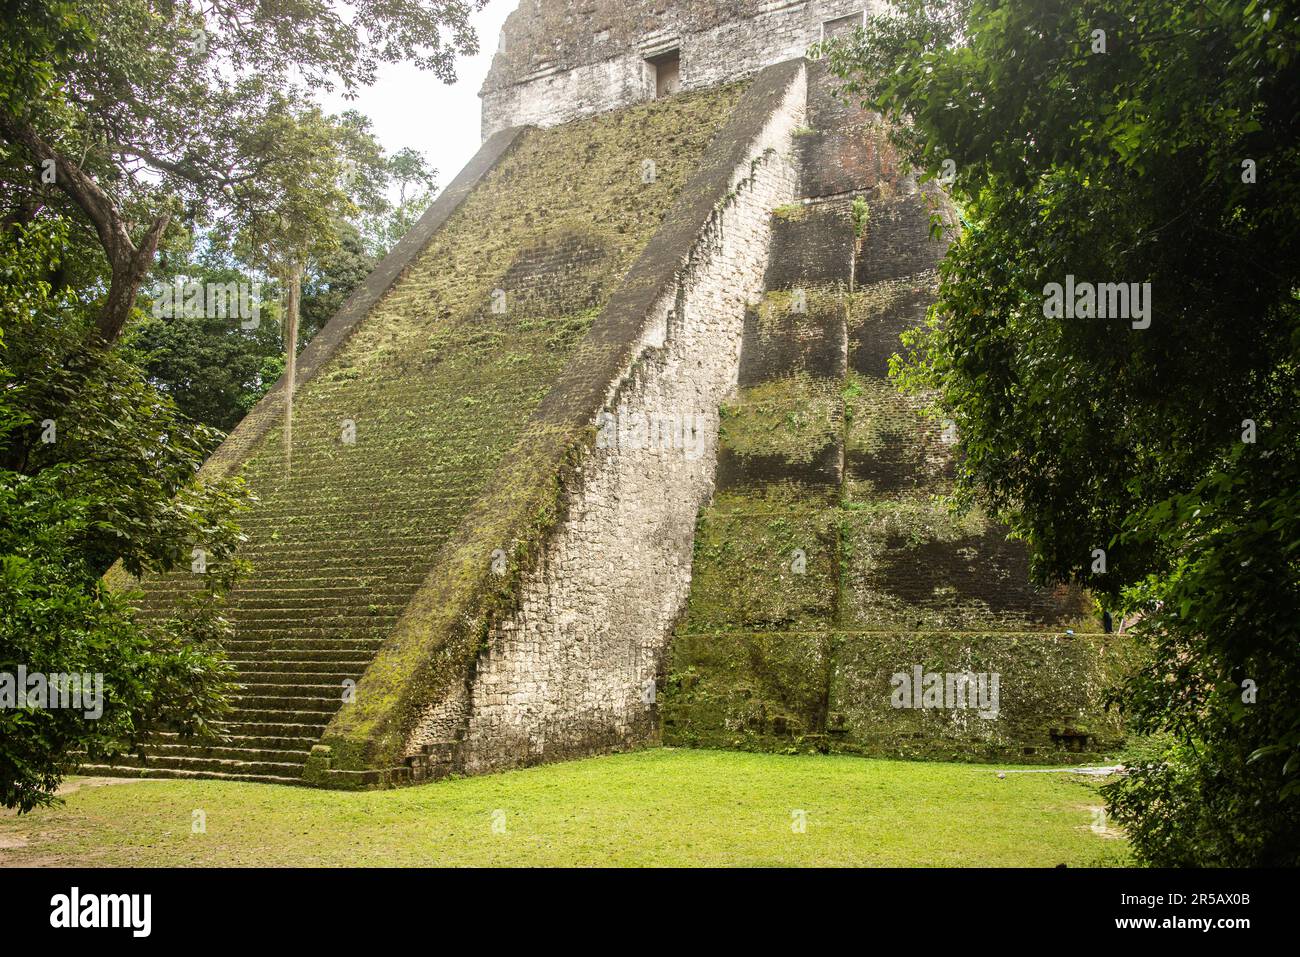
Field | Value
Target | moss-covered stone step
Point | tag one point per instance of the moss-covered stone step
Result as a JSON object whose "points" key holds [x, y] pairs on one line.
{"points": [[308, 581], [250, 605], [303, 683], [362, 494], [339, 539], [348, 641], [308, 633], [357, 585], [353, 579], [253, 669], [271, 538], [338, 500], [243, 717], [306, 650], [301, 710], [404, 481], [300, 567], [345, 507], [397, 530], [290, 686], [242, 742], [127, 771], [327, 604], [174, 589], [268, 557], [337, 503], [303, 697], [356, 618], [372, 455], [327, 671], [360, 615], [280, 653], [364, 593], [320, 694], [160, 754], [247, 727], [311, 587]]}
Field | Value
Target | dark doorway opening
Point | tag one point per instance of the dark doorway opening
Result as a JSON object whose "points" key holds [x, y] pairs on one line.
{"points": [[665, 73]]}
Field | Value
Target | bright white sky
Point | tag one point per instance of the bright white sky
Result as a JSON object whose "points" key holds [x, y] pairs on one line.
{"points": [[409, 107]]}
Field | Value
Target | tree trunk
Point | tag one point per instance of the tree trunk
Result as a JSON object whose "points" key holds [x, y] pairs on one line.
{"points": [[128, 262], [293, 294]]}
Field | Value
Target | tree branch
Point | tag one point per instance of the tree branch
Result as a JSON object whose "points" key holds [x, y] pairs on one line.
{"points": [[129, 263]]}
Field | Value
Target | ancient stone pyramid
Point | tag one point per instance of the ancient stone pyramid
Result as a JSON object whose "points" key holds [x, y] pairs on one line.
{"points": [[605, 449]]}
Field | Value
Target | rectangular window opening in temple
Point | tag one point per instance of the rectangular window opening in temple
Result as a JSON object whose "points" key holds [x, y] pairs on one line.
{"points": [[666, 72]]}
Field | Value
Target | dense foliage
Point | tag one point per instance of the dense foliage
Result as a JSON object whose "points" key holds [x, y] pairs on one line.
{"points": [[126, 112], [97, 467], [150, 145], [1156, 459]]}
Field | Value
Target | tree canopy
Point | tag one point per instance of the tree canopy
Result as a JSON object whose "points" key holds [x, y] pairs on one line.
{"points": [[1151, 146], [147, 147], [141, 111]]}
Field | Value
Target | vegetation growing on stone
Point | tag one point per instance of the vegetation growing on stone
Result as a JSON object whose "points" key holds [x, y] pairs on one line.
{"points": [[407, 427], [861, 217], [764, 561], [807, 598], [795, 418]]}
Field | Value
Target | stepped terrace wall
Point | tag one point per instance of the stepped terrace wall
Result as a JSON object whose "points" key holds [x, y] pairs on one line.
{"points": [[827, 564]]}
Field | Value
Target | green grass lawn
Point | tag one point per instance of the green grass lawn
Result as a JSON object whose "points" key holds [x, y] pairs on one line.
{"points": [[653, 807]]}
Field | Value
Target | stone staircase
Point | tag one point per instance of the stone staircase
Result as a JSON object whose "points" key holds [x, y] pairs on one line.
{"points": [[437, 385], [307, 624]]}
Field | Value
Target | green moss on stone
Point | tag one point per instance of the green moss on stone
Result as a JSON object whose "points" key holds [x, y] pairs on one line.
{"points": [[795, 418], [416, 449], [834, 691], [766, 660], [764, 561]]}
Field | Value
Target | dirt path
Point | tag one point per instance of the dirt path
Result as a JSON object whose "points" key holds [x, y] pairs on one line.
{"points": [[12, 845]]}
